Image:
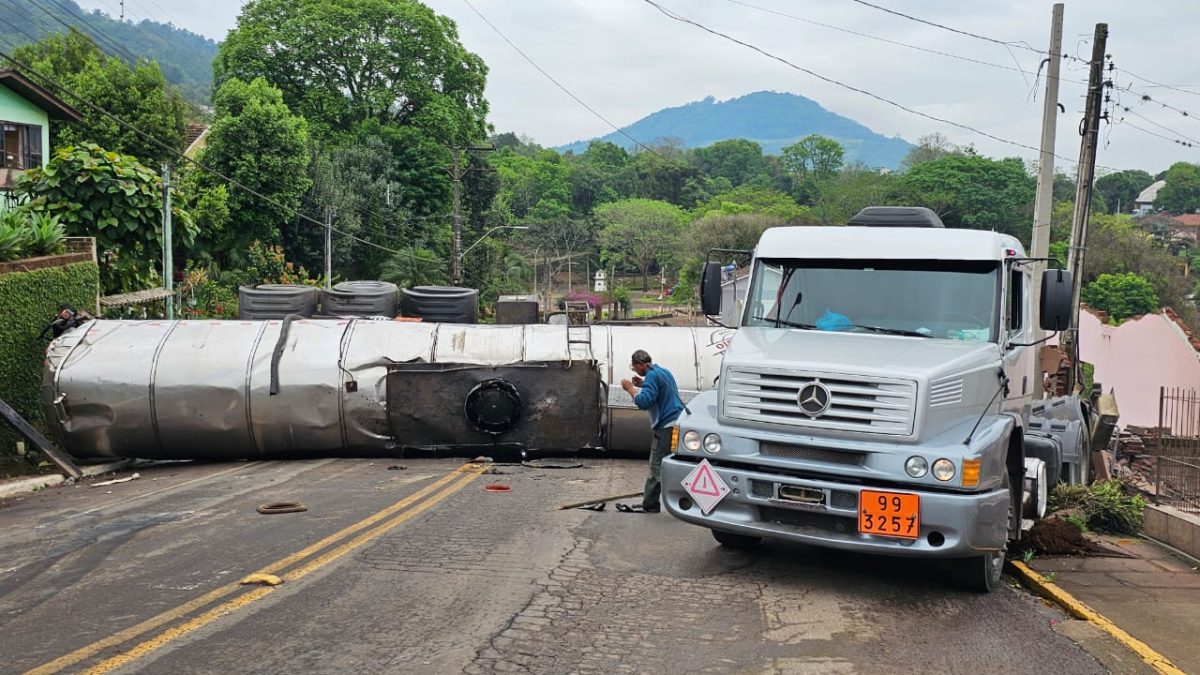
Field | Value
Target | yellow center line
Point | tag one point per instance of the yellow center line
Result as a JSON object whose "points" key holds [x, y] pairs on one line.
{"points": [[179, 612], [162, 639]]}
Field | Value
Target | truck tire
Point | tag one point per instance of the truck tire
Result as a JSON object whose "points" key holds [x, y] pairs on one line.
{"points": [[738, 541], [981, 573]]}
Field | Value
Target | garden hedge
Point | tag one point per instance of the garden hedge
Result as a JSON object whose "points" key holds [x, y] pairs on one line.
{"points": [[28, 301]]}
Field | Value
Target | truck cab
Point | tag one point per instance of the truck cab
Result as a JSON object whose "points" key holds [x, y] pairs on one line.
{"points": [[878, 396]]}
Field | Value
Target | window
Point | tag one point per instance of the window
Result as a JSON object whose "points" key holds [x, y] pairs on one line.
{"points": [[1016, 300], [936, 298], [20, 146]]}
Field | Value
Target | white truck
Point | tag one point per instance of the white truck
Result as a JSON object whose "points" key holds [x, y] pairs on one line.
{"points": [[880, 395]]}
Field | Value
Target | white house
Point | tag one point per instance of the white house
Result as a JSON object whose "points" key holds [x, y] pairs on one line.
{"points": [[1144, 203]]}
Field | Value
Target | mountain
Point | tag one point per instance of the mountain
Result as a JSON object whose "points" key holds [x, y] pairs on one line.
{"points": [[772, 119], [184, 57]]}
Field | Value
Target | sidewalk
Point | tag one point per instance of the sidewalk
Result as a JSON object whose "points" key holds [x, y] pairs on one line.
{"points": [[1154, 594]]}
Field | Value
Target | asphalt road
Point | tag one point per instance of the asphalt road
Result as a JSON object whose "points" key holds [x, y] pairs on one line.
{"points": [[422, 570]]}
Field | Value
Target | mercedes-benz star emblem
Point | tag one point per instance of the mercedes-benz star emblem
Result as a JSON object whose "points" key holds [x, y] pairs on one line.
{"points": [[813, 399]]}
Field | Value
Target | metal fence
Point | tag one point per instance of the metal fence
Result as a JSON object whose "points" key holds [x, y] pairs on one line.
{"points": [[1177, 484], [1178, 433]]}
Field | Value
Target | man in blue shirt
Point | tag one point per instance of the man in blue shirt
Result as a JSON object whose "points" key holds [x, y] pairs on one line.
{"points": [[660, 396]]}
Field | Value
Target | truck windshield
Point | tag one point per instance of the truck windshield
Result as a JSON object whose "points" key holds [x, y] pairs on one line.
{"points": [[929, 298]]}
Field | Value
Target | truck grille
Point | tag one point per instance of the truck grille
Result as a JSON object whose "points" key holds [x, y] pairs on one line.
{"points": [[811, 454], [856, 403]]}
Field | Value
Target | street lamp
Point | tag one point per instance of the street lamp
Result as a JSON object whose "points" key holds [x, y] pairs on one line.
{"points": [[478, 242]]}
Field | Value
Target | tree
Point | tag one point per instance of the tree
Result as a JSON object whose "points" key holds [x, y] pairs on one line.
{"points": [[1181, 194], [928, 148], [737, 159], [339, 62], [413, 267], [140, 96], [638, 233], [974, 192], [1121, 295], [109, 196], [1117, 245], [847, 193], [255, 140], [813, 156], [1121, 188], [758, 201]]}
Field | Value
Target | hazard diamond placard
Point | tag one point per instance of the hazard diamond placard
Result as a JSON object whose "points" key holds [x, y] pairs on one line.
{"points": [[705, 486]]}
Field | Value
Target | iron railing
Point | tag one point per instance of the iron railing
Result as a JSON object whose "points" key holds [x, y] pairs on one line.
{"points": [[1177, 484], [1178, 433]]}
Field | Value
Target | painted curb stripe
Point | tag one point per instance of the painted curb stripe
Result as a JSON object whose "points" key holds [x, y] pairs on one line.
{"points": [[1074, 607], [183, 610]]}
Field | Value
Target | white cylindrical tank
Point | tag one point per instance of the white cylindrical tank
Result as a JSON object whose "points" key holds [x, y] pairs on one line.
{"points": [[226, 389]]}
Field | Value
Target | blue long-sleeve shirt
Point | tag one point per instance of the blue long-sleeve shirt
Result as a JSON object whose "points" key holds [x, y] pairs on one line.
{"points": [[660, 396]]}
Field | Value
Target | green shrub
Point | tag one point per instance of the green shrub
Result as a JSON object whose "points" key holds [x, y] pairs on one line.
{"points": [[47, 235], [28, 302], [1107, 505], [14, 235]]}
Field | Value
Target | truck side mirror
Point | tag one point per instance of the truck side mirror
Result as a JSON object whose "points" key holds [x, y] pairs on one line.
{"points": [[710, 289], [1055, 306]]}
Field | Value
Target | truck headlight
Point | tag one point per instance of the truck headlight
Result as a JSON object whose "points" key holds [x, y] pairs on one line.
{"points": [[691, 440], [943, 470], [712, 444], [916, 467]]}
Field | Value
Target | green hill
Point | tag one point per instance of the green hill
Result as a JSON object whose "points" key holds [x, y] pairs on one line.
{"points": [[772, 119], [184, 57]]}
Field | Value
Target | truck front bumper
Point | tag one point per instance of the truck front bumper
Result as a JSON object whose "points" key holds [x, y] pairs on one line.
{"points": [[953, 525]]}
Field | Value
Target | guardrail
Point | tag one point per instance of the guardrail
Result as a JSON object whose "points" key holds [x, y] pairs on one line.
{"points": [[1177, 484]]}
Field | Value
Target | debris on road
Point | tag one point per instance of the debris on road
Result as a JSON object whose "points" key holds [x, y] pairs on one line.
{"points": [[117, 480], [397, 467], [588, 504], [551, 464], [282, 507], [262, 580], [497, 487]]}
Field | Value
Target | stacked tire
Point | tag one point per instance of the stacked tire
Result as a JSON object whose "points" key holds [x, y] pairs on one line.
{"points": [[276, 301], [360, 299], [441, 304]]}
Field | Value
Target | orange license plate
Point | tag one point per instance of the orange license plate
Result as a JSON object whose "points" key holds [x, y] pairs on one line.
{"points": [[889, 514]]}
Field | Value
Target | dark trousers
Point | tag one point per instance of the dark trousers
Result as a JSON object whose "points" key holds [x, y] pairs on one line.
{"points": [[660, 447]]}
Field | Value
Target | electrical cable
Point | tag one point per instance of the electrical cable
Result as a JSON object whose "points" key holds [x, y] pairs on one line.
{"points": [[823, 78], [558, 84]]}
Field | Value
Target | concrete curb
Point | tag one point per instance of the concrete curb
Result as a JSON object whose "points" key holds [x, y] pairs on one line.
{"points": [[34, 483], [1047, 589]]}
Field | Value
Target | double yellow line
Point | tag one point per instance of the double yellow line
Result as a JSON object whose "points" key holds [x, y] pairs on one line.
{"points": [[334, 546]]}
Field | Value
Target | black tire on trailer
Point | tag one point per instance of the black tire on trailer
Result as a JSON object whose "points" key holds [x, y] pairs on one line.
{"points": [[737, 541]]}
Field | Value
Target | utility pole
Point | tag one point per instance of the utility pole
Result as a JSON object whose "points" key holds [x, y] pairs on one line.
{"points": [[1044, 203], [1083, 194], [328, 247], [168, 248], [457, 171]]}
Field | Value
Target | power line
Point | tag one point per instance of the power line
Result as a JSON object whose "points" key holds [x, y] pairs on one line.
{"points": [[823, 78], [227, 179], [977, 36], [1173, 87], [1160, 126], [558, 84], [1015, 69], [1186, 144]]}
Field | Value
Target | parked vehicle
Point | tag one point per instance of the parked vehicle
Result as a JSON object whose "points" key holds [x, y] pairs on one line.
{"points": [[880, 395]]}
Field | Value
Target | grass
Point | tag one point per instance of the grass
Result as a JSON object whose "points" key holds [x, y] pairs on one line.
{"points": [[1106, 505]]}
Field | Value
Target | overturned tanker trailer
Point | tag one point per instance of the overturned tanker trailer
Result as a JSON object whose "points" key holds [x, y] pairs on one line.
{"points": [[303, 387]]}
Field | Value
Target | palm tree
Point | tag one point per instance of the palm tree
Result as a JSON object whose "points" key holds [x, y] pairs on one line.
{"points": [[413, 266]]}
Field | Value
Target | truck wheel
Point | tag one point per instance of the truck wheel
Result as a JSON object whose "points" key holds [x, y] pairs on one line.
{"points": [[981, 573], [738, 541]]}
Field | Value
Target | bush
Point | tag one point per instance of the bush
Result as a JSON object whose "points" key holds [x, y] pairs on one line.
{"points": [[28, 301], [1121, 295], [1107, 505], [591, 299], [46, 234], [14, 236]]}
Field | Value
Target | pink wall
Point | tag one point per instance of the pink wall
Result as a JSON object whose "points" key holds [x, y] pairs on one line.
{"points": [[1135, 359]]}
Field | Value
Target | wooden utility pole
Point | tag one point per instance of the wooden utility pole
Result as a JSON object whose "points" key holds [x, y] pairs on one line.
{"points": [[1044, 203], [457, 171], [1083, 193]]}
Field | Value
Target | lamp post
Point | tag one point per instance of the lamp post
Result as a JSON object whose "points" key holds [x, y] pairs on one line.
{"points": [[458, 267]]}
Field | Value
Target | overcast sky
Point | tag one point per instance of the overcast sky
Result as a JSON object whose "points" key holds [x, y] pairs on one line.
{"points": [[626, 60]]}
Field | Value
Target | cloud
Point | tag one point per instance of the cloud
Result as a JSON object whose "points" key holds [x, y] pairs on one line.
{"points": [[627, 60]]}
